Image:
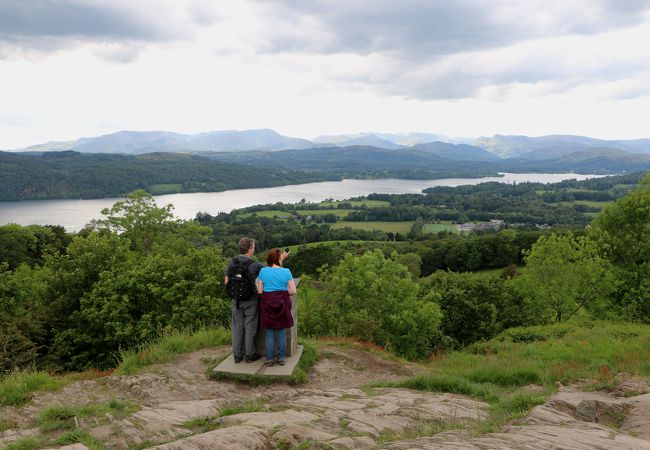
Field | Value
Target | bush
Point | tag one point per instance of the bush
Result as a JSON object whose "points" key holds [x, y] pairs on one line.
{"points": [[372, 297]]}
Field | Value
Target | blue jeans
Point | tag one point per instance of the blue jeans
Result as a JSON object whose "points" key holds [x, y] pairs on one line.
{"points": [[276, 335]]}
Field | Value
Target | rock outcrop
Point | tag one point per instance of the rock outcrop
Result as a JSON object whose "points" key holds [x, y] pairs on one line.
{"points": [[180, 408]]}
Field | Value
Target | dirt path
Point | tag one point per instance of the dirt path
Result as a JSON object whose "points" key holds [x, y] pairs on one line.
{"points": [[181, 408]]}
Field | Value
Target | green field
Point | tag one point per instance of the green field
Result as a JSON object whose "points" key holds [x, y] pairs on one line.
{"points": [[590, 203], [393, 227], [296, 248], [600, 205], [487, 274], [368, 203], [270, 213], [161, 189], [319, 212], [437, 227]]}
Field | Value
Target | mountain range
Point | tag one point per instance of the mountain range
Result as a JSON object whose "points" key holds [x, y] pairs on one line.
{"points": [[484, 149]]}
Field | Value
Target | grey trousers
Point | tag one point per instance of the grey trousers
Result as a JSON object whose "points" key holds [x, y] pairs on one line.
{"points": [[244, 327]]}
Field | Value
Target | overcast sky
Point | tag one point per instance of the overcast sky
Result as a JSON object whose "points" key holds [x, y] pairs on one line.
{"points": [[73, 68]]}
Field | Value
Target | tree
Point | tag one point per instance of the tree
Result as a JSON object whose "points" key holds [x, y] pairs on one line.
{"points": [[372, 297], [623, 233], [412, 261], [564, 274], [139, 219], [17, 245]]}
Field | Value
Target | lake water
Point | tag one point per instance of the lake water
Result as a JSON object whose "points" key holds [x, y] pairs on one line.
{"points": [[74, 214]]}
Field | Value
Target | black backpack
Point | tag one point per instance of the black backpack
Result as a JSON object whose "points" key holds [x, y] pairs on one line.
{"points": [[240, 285]]}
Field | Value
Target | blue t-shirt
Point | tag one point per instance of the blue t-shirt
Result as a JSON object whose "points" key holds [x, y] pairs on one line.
{"points": [[275, 278]]}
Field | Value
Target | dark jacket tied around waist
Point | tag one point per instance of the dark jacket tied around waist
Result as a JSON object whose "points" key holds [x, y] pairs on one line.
{"points": [[275, 310]]}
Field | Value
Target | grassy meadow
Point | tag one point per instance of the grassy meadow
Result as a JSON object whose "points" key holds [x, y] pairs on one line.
{"points": [[339, 213], [392, 227], [358, 203], [438, 227], [271, 213]]}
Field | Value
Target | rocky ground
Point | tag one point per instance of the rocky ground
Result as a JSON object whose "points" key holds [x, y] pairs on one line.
{"points": [[181, 408]]}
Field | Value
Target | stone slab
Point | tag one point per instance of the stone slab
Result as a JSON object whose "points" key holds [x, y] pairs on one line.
{"points": [[258, 368]]}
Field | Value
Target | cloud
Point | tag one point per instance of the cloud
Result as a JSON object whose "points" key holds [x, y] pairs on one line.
{"points": [[435, 50], [44, 26], [429, 28]]}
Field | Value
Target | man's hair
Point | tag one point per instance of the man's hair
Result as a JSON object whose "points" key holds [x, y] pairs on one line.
{"points": [[244, 244], [273, 258]]}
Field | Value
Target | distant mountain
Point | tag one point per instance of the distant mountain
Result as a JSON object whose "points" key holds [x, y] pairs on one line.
{"points": [[485, 149], [454, 152], [364, 162], [363, 139], [413, 138], [593, 160], [381, 140], [554, 146], [137, 142]]}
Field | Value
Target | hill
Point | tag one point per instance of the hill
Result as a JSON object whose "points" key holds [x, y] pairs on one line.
{"points": [[591, 160], [368, 139], [134, 142], [70, 174], [460, 152], [553, 146], [370, 162]]}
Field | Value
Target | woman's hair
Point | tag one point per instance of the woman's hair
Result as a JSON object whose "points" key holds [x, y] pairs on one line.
{"points": [[273, 257]]}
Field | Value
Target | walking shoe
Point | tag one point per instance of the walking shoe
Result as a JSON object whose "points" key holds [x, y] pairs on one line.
{"points": [[254, 357], [269, 363], [237, 359], [281, 362]]}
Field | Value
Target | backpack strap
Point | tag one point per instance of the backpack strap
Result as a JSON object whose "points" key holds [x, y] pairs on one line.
{"points": [[234, 260]]}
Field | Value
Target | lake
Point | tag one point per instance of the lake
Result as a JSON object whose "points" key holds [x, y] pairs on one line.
{"points": [[74, 214]]}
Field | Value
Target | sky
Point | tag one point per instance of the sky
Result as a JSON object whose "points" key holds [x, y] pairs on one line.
{"points": [[463, 68]]}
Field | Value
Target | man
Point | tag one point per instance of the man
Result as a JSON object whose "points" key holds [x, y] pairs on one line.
{"points": [[245, 313]]}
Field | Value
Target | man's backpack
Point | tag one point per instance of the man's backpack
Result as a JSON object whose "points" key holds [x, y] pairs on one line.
{"points": [[240, 284]]}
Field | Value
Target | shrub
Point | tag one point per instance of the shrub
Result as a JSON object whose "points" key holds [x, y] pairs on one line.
{"points": [[372, 297]]}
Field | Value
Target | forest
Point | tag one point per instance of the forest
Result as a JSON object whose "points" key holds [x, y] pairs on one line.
{"points": [[73, 301]]}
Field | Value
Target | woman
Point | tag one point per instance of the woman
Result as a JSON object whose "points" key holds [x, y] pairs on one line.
{"points": [[276, 285]]}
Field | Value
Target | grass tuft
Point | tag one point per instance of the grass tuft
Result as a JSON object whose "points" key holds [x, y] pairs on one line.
{"points": [[504, 376], [168, 347], [420, 429], [7, 424], [62, 417], [519, 403], [17, 387], [81, 436], [437, 382], [309, 357], [231, 410], [27, 443], [310, 444]]}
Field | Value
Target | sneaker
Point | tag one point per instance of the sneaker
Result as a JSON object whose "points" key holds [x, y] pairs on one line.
{"points": [[281, 362], [237, 359], [254, 357], [269, 363]]}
